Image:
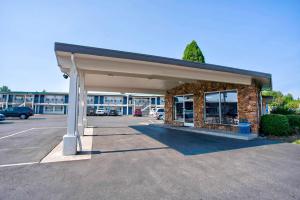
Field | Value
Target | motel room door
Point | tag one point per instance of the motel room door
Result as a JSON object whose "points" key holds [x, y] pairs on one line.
{"points": [[188, 110]]}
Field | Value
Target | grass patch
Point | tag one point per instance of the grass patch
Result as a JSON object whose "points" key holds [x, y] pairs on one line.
{"points": [[296, 142]]}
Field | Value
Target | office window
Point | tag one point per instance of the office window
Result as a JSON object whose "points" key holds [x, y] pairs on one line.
{"points": [[212, 108], [221, 108], [178, 108], [229, 113]]}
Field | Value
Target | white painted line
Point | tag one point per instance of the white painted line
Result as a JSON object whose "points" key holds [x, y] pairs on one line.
{"points": [[7, 136], [5, 149], [47, 127], [144, 123], [18, 164]]}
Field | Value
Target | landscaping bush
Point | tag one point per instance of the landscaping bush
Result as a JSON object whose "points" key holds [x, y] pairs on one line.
{"points": [[283, 110], [275, 124], [294, 122]]}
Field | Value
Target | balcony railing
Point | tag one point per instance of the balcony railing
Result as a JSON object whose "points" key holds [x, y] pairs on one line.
{"points": [[55, 101]]}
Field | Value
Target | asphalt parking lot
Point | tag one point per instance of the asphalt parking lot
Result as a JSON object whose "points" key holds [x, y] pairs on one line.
{"points": [[132, 160], [28, 141]]}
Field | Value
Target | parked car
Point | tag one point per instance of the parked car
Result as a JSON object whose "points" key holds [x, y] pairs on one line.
{"points": [[160, 112], [90, 111], [113, 113], [138, 112], [100, 111], [2, 117], [161, 116], [152, 112], [21, 112]]}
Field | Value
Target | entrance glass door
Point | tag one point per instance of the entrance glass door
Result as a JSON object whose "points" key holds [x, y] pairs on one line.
{"points": [[188, 110]]}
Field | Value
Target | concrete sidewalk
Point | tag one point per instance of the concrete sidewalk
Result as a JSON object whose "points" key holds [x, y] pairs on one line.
{"points": [[218, 133]]}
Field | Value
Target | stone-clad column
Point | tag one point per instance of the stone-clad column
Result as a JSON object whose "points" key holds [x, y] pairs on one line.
{"points": [[248, 105], [168, 108]]}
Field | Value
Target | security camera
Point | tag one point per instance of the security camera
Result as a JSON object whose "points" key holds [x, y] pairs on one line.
{"points": [[65, 76]]}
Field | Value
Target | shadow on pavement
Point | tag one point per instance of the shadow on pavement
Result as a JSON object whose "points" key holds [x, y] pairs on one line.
{"points": [[29, 119], [189, 143], [99, 127], [120, 151], [119, 134], [37, 118], [6, 122]]}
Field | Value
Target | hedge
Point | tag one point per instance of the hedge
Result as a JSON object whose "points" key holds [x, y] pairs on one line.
{"points": [[294, 121], [275, 124]]}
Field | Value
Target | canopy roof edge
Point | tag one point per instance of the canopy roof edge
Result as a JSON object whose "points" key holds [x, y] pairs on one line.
{"points": [[78, 49]]}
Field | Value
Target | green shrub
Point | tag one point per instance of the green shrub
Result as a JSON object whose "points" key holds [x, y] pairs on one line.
{"points": [[275, 124], [283, 110], [294, 121]]}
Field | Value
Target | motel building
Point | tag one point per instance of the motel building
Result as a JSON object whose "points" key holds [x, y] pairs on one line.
{"points": [[203, 96], [57, 102]]}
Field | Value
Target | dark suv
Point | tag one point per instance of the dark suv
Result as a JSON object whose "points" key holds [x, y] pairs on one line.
{"points": [[22, 112], [113, 113]]}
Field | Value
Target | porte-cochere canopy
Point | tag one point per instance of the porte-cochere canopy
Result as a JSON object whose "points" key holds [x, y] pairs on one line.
{"points": [[97, 69], [110, 70]]}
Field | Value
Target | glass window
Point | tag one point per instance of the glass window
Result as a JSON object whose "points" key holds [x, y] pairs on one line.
{"points": [[178, 99], [229, 114], [178, 108], [212, 108], [221, 107], [48, 108], [90, 99], [188, 98], [162, 101], [58, 108]]}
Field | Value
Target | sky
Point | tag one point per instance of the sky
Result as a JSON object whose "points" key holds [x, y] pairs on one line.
{"points": [[255, 35]]}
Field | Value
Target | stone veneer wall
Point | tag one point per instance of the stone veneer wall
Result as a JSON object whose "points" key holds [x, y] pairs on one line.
{"points": [[248, 103]]}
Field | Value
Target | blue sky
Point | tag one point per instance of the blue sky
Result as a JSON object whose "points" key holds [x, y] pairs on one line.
{"points": [[254, 35]]}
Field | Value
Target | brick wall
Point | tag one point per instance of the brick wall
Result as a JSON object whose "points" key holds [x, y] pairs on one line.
{"points": [[248, 103]]}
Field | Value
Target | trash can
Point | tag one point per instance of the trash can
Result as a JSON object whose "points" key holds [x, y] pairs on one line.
{"points": [[244, 127]]}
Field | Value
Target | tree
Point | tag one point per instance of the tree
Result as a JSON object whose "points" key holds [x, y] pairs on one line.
{"points": [[193, 53], [288, 98], [282, 104], [4, 88]]}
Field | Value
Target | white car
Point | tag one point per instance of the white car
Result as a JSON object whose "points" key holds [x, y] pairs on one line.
{"points": [[152, 112], [100, 111], [160, 112]]}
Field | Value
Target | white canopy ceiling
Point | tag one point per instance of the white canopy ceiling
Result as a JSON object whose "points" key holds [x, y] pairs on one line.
{"points": [[106, 71]]}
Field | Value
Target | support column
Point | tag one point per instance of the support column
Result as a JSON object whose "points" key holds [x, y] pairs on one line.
{"points": [[81, 104], [6, 103], [70, 139], [127, 104], [32, 102], [85, 109]]}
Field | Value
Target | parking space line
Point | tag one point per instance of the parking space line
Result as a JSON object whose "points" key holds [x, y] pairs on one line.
{"points": [[48, 127], [18, 164], [7, 136], [5, 149]]}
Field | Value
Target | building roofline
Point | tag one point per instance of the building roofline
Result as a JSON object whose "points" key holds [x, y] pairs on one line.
{"points": [[71, 48], [92, 93]]}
